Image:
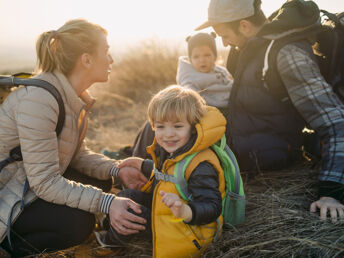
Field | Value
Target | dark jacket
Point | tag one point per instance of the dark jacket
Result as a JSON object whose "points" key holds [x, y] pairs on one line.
{"points": [[269, 129]]}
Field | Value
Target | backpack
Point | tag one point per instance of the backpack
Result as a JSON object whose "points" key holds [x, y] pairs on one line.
{"points": [[6, 85], [233, 204], [328, 50]]}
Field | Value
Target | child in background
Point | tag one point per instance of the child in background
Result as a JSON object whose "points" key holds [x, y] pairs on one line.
{"points": [[183, 125], [199, 72]]}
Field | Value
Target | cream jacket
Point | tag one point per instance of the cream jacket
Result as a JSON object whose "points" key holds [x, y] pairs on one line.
{"points": [[28, 117]]}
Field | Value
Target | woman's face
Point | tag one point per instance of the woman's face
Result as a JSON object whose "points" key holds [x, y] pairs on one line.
{"points": [[101, 61]]}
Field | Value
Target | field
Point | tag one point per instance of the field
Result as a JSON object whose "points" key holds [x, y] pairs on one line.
{"points": [[278, 223]]}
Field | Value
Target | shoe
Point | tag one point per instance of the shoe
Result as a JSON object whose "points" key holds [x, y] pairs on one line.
{"points": [[106, 249], [100, 237]]}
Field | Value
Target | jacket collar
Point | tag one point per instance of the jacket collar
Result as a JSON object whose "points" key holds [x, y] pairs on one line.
{"points": [[209, 130], [62, 84]]}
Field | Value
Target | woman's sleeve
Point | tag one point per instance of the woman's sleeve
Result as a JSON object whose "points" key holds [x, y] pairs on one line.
{"points": [[36, 119], [92, 164]]}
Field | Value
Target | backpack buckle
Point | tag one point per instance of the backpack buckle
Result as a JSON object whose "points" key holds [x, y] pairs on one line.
{"points": [[164, 177]]}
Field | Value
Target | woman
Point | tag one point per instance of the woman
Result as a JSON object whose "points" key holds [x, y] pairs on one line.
{"points": [[58, 211]]}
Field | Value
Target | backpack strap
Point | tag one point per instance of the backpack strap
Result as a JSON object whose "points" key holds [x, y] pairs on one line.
{"points": [[179, 173], [15, 153], [15, 81], [178, 177], [327, 64]]}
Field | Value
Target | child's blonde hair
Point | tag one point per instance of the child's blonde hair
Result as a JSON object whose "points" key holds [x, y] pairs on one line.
{"points": [[60, 49], [174, 102]]}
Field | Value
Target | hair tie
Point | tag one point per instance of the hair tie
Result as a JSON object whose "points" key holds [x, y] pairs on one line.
{"points": [[55, 34]]}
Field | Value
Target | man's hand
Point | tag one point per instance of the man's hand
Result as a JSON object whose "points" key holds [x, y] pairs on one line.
{"points": [[122, 220], [330, 204], [132, 177]]}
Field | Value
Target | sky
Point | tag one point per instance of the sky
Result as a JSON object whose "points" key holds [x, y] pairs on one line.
{"points": [[128, 21]]}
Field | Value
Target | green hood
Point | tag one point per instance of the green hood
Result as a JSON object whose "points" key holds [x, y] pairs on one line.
{"points": [[294, 15]]}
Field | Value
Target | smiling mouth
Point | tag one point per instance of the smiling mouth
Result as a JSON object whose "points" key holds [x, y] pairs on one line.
{"points": [[171, 142]]}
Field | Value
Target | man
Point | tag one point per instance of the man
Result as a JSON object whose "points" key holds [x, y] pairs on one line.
{"points": [[263, 130]]}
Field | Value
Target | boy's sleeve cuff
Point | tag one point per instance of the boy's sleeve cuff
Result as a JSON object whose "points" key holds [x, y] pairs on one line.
{"points": [[106, 202], [147, 167]]}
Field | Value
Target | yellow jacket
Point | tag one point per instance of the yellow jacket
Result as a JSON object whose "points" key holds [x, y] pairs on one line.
{"points": [[178, 239]]}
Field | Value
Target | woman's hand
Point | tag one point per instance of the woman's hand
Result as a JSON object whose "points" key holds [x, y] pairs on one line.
{"points": [[122, 220], [178, 208], [132, 177], [130, 162], [330, 204]]}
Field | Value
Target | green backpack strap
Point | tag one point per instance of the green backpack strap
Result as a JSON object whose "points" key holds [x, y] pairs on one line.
{"points": [[233, 179], [179, 174]]}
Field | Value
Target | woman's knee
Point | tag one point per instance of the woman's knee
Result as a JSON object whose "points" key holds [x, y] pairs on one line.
{"points": [[79, 227]]}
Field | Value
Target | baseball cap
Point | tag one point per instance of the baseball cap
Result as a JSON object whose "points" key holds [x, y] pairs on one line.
{"points": [[221, 11]]}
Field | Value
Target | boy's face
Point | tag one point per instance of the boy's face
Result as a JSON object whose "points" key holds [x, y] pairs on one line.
{"points": [[202, 59], [172, 134]]}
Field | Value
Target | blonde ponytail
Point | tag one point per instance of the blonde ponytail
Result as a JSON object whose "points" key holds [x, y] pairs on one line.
{"points": [[60, 49]]}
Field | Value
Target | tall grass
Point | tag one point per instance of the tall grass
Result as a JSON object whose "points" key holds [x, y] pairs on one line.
{"points": [[145, 70], [121, 104]]}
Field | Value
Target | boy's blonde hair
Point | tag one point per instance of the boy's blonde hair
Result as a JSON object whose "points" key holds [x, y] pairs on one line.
{"points": [[60, 49], [174, 102]]}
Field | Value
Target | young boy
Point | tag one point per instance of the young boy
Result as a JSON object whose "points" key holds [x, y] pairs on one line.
{"points": [[183, 125]]}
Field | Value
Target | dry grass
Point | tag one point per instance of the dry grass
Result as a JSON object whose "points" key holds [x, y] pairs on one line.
{"points": [[278, 223]]}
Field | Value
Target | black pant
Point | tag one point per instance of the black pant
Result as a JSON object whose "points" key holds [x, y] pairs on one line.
{"points": [[45, 226], [145, 201]]}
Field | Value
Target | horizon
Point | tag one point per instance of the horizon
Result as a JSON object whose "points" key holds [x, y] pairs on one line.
{"points": [[128, 23]]}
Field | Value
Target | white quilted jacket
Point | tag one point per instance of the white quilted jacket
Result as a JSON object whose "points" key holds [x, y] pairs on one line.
{"points": [[28, 117]]}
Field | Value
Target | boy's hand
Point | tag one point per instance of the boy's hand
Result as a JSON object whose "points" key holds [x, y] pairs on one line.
{"points": [[130, 162], [132, 178], [178, 208], [330, 204]]}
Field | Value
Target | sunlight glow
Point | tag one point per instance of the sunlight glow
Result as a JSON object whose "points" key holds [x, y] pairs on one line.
{"points": [[127, 21]]}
